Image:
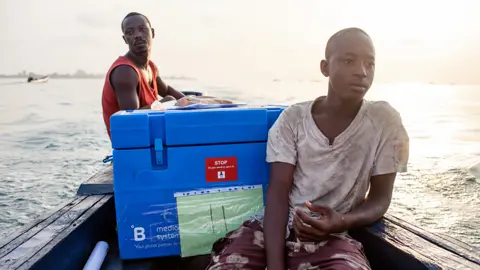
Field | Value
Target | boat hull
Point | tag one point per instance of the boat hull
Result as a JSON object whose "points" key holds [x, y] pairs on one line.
{"points": [[65, 238], [39, 80]]}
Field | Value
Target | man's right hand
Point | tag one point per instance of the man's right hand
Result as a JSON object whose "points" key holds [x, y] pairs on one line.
{"points": [[317, 229], [305, 232]]}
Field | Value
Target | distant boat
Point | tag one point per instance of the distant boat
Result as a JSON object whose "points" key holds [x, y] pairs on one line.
{"points": [[37, 80]]}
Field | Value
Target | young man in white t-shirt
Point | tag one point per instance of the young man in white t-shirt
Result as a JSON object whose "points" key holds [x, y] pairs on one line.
{"points": [[325, 155]]}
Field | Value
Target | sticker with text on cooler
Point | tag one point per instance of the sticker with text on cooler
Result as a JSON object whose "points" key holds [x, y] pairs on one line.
{"points": [[221, 169]]}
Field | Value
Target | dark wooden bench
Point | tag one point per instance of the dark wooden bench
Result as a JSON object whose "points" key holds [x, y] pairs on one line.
{"points": [[65, 238]]}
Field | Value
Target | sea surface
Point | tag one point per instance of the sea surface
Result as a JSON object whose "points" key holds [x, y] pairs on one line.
{"points": [[52, 138]]}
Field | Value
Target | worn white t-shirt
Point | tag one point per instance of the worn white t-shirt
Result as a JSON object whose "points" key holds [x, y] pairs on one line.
{"points": [[338, 175]]}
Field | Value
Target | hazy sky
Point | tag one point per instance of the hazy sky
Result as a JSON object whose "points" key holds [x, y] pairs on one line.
{"points": [[415, 39]]}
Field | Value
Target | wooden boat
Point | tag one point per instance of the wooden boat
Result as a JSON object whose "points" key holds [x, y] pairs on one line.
{"points": [[65, 238], [43, 79]]}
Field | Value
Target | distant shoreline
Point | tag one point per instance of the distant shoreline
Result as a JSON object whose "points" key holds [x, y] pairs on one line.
{"points": [[96, 76], [54, 77], [185, 78]]}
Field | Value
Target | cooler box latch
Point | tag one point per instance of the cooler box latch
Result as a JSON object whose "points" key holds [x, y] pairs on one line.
{"points": [[158, 147]]}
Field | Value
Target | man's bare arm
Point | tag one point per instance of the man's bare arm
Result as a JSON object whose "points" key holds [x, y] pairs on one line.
{"points": [[166, 90], [124, 80], [276, 213], [375, 205]]}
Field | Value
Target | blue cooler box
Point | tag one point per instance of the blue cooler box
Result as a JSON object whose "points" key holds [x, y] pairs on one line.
{"points": [[160, 154]]}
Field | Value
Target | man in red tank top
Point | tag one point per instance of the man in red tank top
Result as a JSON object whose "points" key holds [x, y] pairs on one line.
{"points": [[133, 81]]}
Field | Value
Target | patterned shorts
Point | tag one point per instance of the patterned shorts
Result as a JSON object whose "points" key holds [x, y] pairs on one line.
{"points": [[244, 249]]}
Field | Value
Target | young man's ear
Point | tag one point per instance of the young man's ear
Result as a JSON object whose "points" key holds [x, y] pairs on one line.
{"points": [[324, 68], [153, 33], [124, 39]]}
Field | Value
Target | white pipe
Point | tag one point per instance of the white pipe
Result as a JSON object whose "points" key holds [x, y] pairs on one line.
{"points": [[98, 255]]}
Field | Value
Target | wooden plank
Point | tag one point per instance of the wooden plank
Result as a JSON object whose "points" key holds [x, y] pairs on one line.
{"points": [[95, 189], [99, 184], [72, 246], [453, 245], [418, 247], [104, 176], [27, 231], [27, 249]]}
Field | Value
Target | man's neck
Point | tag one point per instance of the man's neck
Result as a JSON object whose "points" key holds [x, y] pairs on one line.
{"points": [[140, 60], [333, 105]]}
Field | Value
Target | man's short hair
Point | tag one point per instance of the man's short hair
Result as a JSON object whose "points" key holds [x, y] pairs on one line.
{"points": [[334, 37], [136, 14]]}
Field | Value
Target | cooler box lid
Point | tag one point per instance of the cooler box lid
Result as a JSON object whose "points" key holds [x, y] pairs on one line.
{"points": [[197, 125]]}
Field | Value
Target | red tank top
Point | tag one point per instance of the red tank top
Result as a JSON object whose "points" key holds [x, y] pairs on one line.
{"points": [[146, 94]]}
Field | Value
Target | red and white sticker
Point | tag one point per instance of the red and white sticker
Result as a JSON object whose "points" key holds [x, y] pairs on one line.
{"points": [[221, 169]]}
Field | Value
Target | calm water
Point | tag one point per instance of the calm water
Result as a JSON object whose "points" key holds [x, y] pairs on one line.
{"points": [[52, 138]]}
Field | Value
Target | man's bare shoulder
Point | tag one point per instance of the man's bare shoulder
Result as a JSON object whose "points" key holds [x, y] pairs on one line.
{"points": [[124, 75], [382, 113]]}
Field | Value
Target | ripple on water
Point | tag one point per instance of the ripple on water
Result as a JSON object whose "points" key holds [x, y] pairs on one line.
{"points": [[437, 201], [74, 153]]}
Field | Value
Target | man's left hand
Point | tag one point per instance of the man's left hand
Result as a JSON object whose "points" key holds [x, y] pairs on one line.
{"points": [[167, 98], [314, 229]]}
